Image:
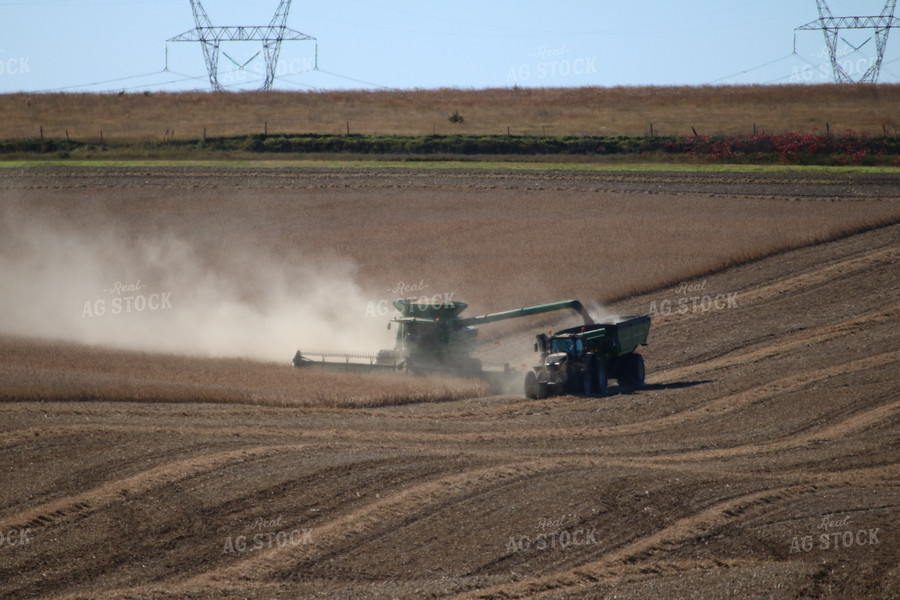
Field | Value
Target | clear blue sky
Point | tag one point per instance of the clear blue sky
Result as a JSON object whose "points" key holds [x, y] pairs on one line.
{"points": [[106, 45]]}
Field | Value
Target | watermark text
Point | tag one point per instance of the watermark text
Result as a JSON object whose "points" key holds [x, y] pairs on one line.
{"points": [[693, 300], [14, 537], [401, 289], [835, 533], [551, 535], [14, 66], [126, 300], [270, 533], [552, 63]]}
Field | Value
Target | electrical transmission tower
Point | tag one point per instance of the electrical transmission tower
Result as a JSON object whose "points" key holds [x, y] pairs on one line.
{"points": [[211, 38], [832, 26]]}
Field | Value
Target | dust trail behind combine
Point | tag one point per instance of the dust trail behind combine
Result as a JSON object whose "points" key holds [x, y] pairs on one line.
{"points": [[105, 282]]}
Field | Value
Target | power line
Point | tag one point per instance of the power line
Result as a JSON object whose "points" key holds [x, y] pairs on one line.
{"points": [[72, 87], [224, 75], [771, 62], [184, 78], [354, 80]]}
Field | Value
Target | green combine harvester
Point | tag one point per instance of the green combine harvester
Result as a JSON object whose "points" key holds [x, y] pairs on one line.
{"points": [[433, 338]]}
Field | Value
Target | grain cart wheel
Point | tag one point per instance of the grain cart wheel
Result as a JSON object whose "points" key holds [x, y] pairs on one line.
{"points": [[632, 370], [531, 385]]}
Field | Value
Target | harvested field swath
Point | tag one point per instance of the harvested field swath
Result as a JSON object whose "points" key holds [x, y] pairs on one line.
{"points": [[62, 372]]}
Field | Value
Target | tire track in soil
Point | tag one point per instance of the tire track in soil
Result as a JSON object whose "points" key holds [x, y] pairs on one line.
{"points": [[798, 339], [816, 276], [765, 391], [385, 515], [698, 525], [390, 512], [9, 440], [370, 521], [111, 492], [879, 414]]}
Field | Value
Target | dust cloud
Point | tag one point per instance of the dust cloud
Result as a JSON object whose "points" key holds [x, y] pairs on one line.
{"points": [[117, 286]]}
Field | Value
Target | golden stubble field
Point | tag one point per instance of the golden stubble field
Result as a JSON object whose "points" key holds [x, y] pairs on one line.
{"points": [[710, 110], [174, 453]]}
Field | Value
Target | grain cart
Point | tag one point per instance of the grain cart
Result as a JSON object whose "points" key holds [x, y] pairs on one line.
{"points": [[432, 338], [581, 360]]}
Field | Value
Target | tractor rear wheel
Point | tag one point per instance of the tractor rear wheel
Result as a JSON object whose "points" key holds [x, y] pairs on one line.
{"points": [[602, 379], [531, 385], [591, 381]]}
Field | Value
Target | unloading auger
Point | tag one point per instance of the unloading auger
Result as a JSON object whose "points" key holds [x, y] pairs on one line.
{"points": [[432, 337]]}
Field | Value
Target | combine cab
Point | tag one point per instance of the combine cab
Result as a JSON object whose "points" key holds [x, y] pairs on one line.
{"points": [[582, 360], [432, 338]]}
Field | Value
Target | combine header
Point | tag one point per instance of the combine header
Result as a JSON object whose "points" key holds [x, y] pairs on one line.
{"points": [[432, 338]]}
